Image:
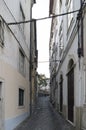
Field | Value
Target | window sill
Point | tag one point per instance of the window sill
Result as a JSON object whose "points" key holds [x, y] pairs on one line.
{"points": [[21, 107]]}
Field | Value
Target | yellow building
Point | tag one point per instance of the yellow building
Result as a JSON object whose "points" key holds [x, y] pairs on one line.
{"points": [[14, 62]]}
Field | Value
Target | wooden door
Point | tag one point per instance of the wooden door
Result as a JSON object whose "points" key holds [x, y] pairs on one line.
{"points": [[71, 95], [61, 96]]}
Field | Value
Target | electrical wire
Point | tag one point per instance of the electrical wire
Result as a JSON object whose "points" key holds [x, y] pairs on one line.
{"points": [[44, 18], [48, 61]]}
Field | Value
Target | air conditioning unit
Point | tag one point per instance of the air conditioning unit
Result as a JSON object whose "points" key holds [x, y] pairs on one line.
{"points": [[1, 32]]}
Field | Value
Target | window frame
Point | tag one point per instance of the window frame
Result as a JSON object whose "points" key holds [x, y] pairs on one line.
{"points": [[69, 5], [22, 18], [21, 66], [21, 97], [61, 44], [60, 5], [1, 32]]}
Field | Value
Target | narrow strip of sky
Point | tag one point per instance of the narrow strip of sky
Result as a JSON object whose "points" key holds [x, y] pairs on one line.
{"points": [[41, 9]]}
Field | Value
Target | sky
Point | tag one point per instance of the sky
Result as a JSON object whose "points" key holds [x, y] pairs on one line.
{"points": [[41, 9]]}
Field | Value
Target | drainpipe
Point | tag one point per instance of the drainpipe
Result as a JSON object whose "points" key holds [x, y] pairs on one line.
{"points": [[80, 41], [55, 76], [80, 47], [30, 61], [82, 28]]}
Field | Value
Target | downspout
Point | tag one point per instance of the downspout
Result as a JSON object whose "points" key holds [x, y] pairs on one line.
{"points": [[80, 48], [80, 22], [35, 40], [82, 54], [30, 61], [82, 29]]}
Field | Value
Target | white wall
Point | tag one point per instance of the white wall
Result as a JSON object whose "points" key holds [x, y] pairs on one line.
{"points": [[9, 62]]}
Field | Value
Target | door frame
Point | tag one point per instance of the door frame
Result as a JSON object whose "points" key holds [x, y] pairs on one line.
{"points": [[70, 67], [61, 94], [2, 102], [71, 97]]}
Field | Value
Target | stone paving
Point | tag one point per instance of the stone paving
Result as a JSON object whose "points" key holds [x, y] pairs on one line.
{"points": [[44, 118]]}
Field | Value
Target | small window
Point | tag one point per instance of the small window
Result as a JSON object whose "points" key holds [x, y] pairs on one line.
{"points": [[21, 97], [21, 63], [1, 32], [60, 5], [69, 9], [61, 45], [22, 17]]}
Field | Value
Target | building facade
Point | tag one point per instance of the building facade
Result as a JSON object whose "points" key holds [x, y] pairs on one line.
{"points": [[67, 49], [33, 66], [14, 62]]}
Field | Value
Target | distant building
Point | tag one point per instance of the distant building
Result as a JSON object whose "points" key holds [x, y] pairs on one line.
{"points": [[14, 62], [44, 90], [67, 49]]}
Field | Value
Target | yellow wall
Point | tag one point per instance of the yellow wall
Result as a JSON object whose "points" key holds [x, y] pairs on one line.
{"points": [[12, 81]]}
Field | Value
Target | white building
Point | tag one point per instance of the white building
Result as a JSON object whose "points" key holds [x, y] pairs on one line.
{"points": [[14, 62], [68, 60]]}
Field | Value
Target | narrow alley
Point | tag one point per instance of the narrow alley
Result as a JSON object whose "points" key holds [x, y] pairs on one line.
{"points": [[42, 64], [44, 118]]}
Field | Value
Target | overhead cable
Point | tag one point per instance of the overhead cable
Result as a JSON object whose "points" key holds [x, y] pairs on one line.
{"points": [[48, 61], [44, 18]]}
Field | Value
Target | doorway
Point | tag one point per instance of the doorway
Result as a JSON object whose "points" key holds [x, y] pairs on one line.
{"points": [[0, 105], [71, 91], [61, 93]]}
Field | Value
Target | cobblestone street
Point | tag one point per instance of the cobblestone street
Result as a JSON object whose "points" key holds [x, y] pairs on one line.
{"points": [[45, 118]]}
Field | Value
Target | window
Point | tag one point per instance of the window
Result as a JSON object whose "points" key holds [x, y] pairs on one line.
{"points": [[60, 5], [21, 97], [69, 9], [22, 18], [1, 32], [61, 39], [61, 46], [21, 62]]}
